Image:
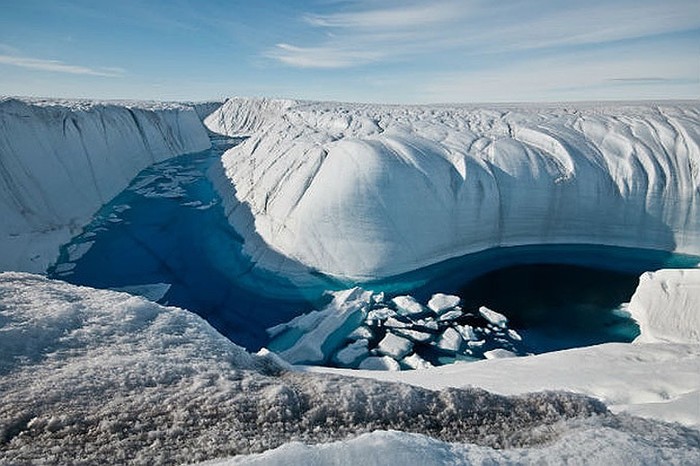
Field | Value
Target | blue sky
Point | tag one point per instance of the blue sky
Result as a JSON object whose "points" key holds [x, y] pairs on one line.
{"points": [[370, 51]]}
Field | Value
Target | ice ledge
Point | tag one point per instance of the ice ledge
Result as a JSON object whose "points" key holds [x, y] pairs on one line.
{"points": [[60, 160], [367, 191]]}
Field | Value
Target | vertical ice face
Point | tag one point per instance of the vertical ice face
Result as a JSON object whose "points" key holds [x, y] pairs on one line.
{"points": [[61, 160], [366, 191]]}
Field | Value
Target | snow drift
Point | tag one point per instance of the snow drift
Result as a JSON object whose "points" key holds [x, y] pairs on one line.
{"points": [[61, 160], [366, 191], [94, 376]]}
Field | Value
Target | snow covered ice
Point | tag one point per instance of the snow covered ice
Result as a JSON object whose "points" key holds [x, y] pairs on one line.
{"points": [[354, 193], [98, 376], [369, 191]]}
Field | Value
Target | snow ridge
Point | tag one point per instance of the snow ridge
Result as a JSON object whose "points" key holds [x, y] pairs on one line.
{"points": [[367, 191], [60, 160]]}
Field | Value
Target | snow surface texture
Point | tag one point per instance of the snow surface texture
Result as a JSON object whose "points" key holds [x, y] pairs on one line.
{"points": [[366, 191], [96, 376], [601, 446], [61, 160]]}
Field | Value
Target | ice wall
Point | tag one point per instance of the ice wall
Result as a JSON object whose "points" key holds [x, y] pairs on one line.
{"points": [[368, 191], [667, 306], [61, 160]]}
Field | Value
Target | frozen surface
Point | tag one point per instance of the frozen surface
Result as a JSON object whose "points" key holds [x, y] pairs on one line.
{"points": [[61, 160], [667, 306], [367, 191], [658, 376], [96, 376], [585, 446]]}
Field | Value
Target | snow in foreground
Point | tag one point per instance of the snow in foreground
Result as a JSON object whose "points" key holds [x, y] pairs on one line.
{"points": [[368, 191], [95, 376]]}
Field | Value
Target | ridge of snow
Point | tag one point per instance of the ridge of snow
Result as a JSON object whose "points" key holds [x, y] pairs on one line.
{"points": [[368, 191], [60, 160]]}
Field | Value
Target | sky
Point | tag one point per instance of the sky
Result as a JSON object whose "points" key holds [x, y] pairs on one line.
{"points": [[440, 51]]}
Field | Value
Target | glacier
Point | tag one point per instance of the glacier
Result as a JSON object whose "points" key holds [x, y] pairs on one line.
{"points": [[62, 159], [346, 193], [370, 191]]}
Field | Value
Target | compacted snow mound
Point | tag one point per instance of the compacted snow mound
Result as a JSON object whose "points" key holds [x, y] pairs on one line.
{"points": [[101, 377], [243, 116], [367, 191], [667, 306], [61, 160]]}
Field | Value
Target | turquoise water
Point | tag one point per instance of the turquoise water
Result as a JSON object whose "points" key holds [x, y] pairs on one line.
{"points": [[169, 227]]}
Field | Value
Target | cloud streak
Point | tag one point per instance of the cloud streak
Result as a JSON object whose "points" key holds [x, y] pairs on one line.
{"points": [[409, 30], [57, 66]]}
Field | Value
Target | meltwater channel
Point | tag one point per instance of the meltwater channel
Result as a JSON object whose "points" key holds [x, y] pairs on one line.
{"points": [[169, 228]]}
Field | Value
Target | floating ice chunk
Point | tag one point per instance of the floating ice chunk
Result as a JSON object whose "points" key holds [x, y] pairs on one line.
{"points": [[65, 267], [407, 305], [383, 313], [440, 303], [499, 353], [415, 335], [429, 324], [416, 362], [343, 315], [514, 335], [493, 317], [395, 346], [151, 291], [353, 352], [467, 332], [476, 344], [78, 250], [395, 323], [379, 363], [450, 340], [378, 298], [360, 332], [450, 315]]}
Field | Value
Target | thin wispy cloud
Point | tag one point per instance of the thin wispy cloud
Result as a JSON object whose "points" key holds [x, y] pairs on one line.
{"points": [[56, 66], [477, 27], [322, 57]]}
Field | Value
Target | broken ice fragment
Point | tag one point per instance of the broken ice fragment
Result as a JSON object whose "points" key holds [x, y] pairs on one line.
{"points": [[514, 335], [395, 346], [466, 331], [440, 303], [379, 363], [450, 315], [450, 340], [416, 362], [499, 353], [493, 317], [407, 305], [382, 313], [395, 323], [415, 335], [353, 352]]}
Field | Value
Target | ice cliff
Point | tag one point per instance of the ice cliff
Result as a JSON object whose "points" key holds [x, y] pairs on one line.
{"points": [[61, 160], [367, 191]]}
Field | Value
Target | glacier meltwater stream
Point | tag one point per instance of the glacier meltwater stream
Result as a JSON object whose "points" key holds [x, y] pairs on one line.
{"points": [[168, 227]]}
